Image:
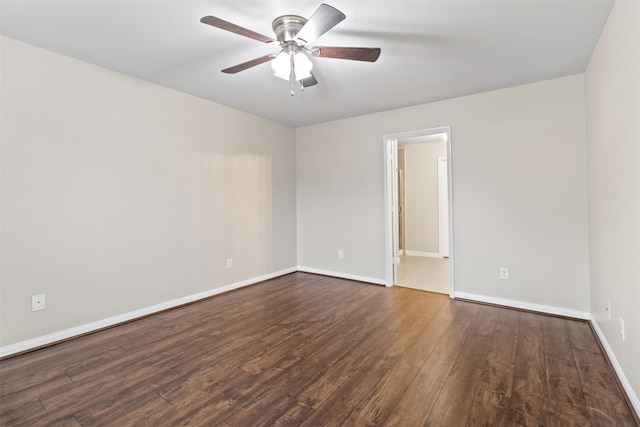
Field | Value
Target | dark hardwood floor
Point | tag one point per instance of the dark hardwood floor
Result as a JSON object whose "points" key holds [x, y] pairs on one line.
{"points": [[316, 351]]}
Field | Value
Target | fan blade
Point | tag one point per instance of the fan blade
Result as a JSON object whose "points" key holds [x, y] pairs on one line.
{"points": [[309, 81], [222, 24], [323, 19], [369, 54], [248, 64]]}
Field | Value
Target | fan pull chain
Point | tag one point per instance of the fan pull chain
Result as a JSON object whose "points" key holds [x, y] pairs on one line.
{"points": [[292, 76]]}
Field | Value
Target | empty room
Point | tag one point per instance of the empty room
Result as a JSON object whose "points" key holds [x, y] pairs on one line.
{"points": [[209, 211]]}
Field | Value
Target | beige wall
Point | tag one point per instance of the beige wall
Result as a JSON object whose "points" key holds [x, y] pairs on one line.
{"points": [[519, 191], [118, 194], [422, 195], [612, 83]]}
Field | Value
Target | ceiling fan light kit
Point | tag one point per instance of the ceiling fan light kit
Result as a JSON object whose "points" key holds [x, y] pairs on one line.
{"points": [[292, 63], [293, 34]]}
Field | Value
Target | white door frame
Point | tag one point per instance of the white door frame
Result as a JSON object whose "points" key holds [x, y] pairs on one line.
{"points": [[443, 207], [392, 166], [390, 144]]}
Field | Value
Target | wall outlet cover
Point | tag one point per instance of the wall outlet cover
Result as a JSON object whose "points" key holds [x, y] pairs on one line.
{"points": [[37, 302]]}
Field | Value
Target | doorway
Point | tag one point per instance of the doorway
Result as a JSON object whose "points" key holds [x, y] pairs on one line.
{"points": [[419, 210]]}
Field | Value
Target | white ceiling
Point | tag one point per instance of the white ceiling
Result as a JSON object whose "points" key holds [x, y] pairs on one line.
{"points": [[431, 50]]}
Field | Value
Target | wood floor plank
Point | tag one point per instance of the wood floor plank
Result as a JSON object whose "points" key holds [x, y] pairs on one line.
{"points": [[121, 411], [40, 364], [581, 336], [34, 390], [496, 382], [600, 390], [95, 364], [456, 397], [333, 377], [556, 338], [378, 405], [10, 413], [206, 379], [415, 405], [338, 406], [204, 400], [335, 374], [310, 350], [49, 420], [567, 405], [529, 403], [318, 352], [254, 410]]}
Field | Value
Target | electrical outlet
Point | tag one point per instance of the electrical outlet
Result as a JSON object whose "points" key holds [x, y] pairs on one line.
{"points": [[229, 262], [504, 273], [608, 310], [37, 302], [341, 254], [621, 328]]}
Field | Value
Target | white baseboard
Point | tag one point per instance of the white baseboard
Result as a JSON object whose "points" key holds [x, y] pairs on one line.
{"points": [[549, 309], [342, 275], [111, 321], [424, 254], [616, 366]]}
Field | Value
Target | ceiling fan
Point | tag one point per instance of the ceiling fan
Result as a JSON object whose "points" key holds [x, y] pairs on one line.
{"points": [[293, 34]]}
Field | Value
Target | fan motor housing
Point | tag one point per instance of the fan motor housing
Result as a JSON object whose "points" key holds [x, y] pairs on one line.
{"points": [[287, 27]]}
